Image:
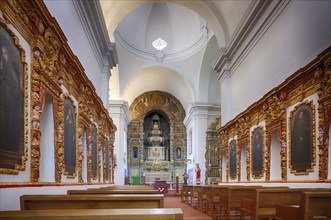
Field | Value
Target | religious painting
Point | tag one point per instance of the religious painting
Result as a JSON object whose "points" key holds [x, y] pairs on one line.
{"points": [[135, 152], [178, 153], [107, 159], [94, 152], [233, 160], [12, 102], [302, 138], [257, 152], [69, 138]]}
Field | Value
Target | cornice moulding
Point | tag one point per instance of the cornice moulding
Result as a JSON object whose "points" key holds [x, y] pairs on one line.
{"points": [[263, 14], [90, 15]]}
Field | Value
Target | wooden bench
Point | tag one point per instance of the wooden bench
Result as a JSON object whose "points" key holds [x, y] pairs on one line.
{"points": [[113, 191], [184, 193], [189, 194], [313, 205], [92, 214], [202, 197], [195, 195], [264, 201], [113, 201], [229, 200], [132, 187]]}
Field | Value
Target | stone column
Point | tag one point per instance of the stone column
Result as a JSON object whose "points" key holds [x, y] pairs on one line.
{"points": [[118, 110]]}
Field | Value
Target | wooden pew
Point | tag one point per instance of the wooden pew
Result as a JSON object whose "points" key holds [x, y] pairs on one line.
{"points": [[264, 202], [184, 193], [113, 191], [229, 200], [132, 187], [113, 201], [313, 205], [189, 194], [202, 197], [92, 214], [195, 195]]}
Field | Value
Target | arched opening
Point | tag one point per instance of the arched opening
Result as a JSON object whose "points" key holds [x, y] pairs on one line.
{"points": [[243, 171], [47, 160], [275, 160], [224, 174], [84, 165]]}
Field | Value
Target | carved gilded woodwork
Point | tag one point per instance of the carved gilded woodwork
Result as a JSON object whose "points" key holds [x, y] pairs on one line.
{"points": [[24, 156], [170, 106], [212, 152], [54, 70], [314, 79]]}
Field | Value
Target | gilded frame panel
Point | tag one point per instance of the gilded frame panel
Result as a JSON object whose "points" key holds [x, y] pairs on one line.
{"points": [[77, 138], [257, 152], [301, 132], [233, 171], [22, 153]]}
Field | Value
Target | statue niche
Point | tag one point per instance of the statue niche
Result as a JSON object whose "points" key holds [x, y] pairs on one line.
{"points": [[155, 141]]}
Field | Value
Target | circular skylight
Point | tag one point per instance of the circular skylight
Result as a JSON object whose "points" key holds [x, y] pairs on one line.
{"points": [[159, 44]]}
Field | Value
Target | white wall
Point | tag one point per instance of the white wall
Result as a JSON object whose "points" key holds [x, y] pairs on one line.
{"points": [[275, 162], [243, 171], [47, 152], [67, 17], [297, 36], [118, 110]]}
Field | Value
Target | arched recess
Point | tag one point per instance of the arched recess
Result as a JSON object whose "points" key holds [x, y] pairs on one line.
{"points": [[84, 155], [275, 160], [158, 78], [164, 104], [224, 168], [243, 172], [209, 87], [47, 144]]}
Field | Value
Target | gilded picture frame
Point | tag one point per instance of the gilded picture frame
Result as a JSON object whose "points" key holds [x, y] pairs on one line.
{"points": [[302, 138], [257, 152], [233, 160], [13, 103], [94, 153]]}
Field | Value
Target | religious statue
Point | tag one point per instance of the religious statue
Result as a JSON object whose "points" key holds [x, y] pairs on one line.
{"points": [[197, 174], [185, 177]]}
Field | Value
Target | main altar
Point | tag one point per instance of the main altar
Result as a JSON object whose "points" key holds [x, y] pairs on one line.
{"points": [[156, 139]]}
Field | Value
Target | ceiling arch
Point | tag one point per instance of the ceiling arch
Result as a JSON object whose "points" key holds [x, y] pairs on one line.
{"points": [[159, 78], [115, 11]]}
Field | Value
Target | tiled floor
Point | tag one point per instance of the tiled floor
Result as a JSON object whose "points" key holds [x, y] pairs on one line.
{"points": [[189, 212]]}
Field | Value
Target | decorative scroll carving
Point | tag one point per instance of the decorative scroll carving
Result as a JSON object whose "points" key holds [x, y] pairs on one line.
{"points": [[314, 79], [212, 153], [324, 119], [170, 108], [54, 69], [157, 100]]}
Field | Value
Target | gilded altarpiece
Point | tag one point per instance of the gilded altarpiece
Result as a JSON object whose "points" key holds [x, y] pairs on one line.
{"points": [[212, 154], [163, 110], [57, 71], [274, 110]]}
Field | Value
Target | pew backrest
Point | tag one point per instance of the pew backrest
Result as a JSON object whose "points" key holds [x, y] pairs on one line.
{"points": [[113, 201]]}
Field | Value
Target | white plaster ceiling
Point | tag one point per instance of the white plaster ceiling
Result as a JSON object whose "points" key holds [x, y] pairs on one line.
{"points": [[188, 27]]}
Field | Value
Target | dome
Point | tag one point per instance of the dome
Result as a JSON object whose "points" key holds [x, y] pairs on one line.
{"points": [[161, 24]]}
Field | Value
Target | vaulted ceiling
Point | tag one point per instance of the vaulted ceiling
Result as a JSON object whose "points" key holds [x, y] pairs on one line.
{"points": [[197, 33]]}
